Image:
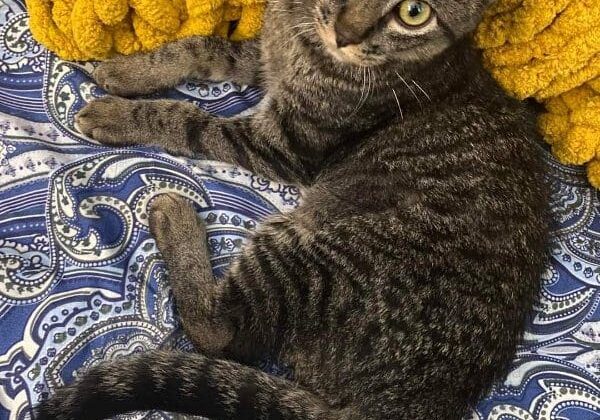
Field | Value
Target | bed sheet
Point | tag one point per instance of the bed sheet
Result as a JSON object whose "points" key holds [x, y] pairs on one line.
{"points": [[81, 280]]}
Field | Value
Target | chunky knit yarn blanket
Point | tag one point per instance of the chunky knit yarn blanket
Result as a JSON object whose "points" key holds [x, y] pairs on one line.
{"points": [[549, 50], [97, 29]]}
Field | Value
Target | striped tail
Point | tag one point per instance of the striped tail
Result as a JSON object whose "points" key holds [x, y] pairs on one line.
{"points": [[184, 383]]}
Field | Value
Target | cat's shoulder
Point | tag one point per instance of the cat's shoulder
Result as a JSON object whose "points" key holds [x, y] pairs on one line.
{"points": [[487, 118]]}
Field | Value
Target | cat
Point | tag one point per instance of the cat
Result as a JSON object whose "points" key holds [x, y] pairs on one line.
{"points": [[399, 288]]}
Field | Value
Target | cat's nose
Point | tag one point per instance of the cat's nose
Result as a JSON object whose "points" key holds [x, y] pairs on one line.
{"points": [[356, 21], [345, 36]]}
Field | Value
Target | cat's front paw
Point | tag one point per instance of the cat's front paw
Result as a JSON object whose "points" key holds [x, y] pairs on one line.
{"points": [[174, 224], [108, 120], [125, 76]]}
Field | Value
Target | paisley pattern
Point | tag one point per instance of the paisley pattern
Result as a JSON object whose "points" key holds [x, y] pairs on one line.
{"points": [[81, 280], [556, 371]]}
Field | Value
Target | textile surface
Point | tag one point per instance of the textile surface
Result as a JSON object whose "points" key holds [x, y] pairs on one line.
{"points": [[81, 280]]}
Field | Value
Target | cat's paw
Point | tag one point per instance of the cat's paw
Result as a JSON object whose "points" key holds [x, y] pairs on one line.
{"points": [[174, 223], [107, 120], [125, 76]]}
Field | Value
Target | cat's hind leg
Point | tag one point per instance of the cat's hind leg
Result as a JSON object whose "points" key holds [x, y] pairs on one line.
{"points": [[197, 58], [181, 238]]}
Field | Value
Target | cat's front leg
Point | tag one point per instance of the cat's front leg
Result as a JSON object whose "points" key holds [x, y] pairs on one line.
{"points": [[256, 143], [122, 122], [197, 58]]}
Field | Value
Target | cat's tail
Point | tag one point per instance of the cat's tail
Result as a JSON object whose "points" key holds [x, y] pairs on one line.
{"points": [[183, 383]]}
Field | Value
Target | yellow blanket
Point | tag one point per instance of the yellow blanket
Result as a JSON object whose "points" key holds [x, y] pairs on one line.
{"points": [[96, 29], [549, 50]]}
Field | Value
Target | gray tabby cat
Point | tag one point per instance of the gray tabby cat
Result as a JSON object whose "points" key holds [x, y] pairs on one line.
{"points": [[399, 289]]}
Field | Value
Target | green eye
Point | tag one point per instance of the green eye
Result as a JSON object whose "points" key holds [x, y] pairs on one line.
{"points": [[414, 13]]}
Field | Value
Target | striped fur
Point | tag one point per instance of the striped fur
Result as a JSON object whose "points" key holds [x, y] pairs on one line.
{"points": [[398, 290], [215, 388]]}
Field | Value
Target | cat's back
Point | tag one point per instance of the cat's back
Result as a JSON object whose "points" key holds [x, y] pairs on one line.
{"points": [[443, 214]]}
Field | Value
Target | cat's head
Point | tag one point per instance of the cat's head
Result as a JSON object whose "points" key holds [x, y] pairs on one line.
{"points": [[374, 32]]}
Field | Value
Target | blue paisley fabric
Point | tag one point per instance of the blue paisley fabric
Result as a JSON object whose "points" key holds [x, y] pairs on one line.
{"points": [[81, 281]]}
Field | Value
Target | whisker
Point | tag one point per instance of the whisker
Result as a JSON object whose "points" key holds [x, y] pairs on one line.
{"points": [[362, 93], [302, 23], [299, 34], [409, 88], [369, 88], [398, 102], [364, 85], [422, 90], [299, 25], [374, 75]]}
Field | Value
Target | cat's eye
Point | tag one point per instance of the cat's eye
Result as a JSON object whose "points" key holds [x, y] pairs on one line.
{"points": [[414, 13]]}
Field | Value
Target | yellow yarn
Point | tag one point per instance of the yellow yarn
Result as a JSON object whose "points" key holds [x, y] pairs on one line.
{"points": [[550, 50], [97, 29]]}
